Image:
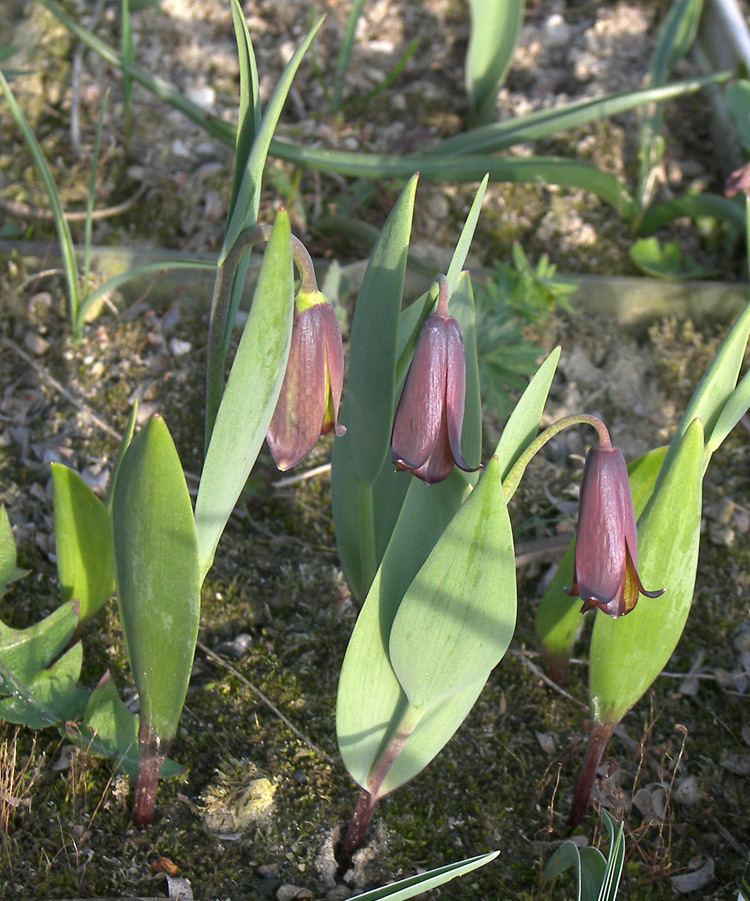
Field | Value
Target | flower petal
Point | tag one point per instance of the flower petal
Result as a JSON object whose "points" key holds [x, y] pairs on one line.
{"points": [[420, 410]]}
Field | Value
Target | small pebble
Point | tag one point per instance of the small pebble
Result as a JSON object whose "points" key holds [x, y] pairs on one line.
{"points": [[36, 344], [292, 893], [555, 32], [178, 347]]}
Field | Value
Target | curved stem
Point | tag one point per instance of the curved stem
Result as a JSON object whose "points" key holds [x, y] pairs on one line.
{"points": [[219, 326], [519, 467], [600, 735]]}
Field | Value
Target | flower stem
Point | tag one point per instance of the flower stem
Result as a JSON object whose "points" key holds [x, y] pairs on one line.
{"points": [[516, 472], [600, 735], [219, 324], [151, 754], [369, 797]]}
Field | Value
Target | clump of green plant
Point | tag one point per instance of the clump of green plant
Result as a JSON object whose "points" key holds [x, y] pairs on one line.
{"points": [[514, 296]]}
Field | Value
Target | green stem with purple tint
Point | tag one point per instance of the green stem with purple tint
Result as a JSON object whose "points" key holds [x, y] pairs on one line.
{"points": [[515, 475]]}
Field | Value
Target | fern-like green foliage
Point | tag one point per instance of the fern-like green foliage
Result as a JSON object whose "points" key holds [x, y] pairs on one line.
{"points": [[516, 295]]}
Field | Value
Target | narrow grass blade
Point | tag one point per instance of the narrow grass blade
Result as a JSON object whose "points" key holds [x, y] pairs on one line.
{"points": [[675, 39], [546, 122], [695, 206], [61, 223], [251, 393], [249, 117], [156, 267], [246, 194], [495, 25], [83, 543], [423, 882], [345, 52], [128, 56], [91, 196]]}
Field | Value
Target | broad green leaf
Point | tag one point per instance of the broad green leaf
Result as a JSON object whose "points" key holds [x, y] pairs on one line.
{"points": [[466, 237], [251, 393], [127, 437], [461, 307], [568, 856], [597, 879], [83, 542], [62, 228], [523, 424], [495, 25], [733, 410], [246, 195], [423, 882], [372, 354], [156, 570], [457, 617], [9, 572], [558, 617], [370, 700], [110, 730], [52, 696], [717, 385], [737, 102], [666, 261], [629, 652], [563, 116], [24, 652]]}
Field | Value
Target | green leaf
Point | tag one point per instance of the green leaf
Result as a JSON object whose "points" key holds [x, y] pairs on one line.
{"points": [[466, 237], [733, 410], [695, 206], [9, 572], [127, 437], [62, 228], [370, 700], [372, 354], [667, 261], [737, 102], [24, 652], [629, 652], [110, 730], [717, 384], [249, 116], [523, 423], [423, 882], [250, 395], [564, 116], [495, 25], [246, 196], [83, 542], [50, 697], [615, 859], [456, 620], [156, 569]]}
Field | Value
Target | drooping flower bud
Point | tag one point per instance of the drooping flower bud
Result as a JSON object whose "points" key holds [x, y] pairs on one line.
{"points": [[606, 558], [308, 405], [426, 435]]}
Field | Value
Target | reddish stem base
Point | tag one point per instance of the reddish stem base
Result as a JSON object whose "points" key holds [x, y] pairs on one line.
{"points": [[600, 735], [151, 754], [355, 833]]}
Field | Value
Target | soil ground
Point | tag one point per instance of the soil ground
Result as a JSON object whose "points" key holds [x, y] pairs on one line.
{"points": [[263, 798]]}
